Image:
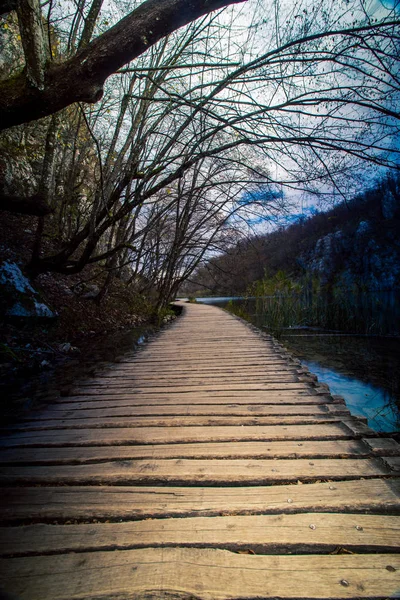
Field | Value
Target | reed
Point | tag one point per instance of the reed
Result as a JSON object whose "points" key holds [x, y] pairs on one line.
{"points": [[280, 303]]}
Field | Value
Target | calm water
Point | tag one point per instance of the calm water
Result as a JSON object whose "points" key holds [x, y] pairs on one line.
{"points": [[364, 370]]}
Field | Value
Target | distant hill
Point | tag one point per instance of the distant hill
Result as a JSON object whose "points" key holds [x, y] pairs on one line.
{"points": [[355, 245]]}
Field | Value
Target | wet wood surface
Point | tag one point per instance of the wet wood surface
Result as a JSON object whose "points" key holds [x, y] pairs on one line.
{"points": [[208, 465]]}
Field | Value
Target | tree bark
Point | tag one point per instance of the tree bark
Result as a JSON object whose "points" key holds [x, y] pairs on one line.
{"points": [[90, 23], [81, 78], [32, 36]]}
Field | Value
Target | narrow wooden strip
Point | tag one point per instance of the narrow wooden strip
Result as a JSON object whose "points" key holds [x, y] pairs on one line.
{"points": [[393, 462], [308, 532], [196, 472], [179, 369], [121, 502], [84, 411], [165, 435], [143, 365], [194, 371], [210, 387], [168, 377], [236, 398], [190, 381], [258, 350], [207, 358], [288, 449], [199, 573], [386, 446], [171, 421]]}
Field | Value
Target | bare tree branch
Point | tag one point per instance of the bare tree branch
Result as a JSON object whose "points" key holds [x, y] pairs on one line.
{"points": [[81, 78]]}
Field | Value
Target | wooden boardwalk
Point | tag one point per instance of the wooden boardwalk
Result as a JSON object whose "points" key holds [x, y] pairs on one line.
{"points": [[208, 466]]}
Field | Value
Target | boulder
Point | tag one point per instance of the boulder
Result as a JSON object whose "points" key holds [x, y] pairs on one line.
{"points": [[18, 298]]}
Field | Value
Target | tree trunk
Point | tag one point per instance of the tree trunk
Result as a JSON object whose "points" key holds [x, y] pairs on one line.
{"points": [[32, 37], [81, 78]]}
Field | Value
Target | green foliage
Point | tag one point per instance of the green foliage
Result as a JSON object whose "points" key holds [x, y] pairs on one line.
{"points": [[141, 305], [237, 310], [6, 353], [280, 283], [163, 315]]}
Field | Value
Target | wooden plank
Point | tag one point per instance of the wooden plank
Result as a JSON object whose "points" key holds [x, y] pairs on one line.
{"points": [[307, 532], [386, 446], [179, 376], [288, 449], [195, 399], [171, 421], [206, 372], [109, 410], [195, 353], [199, 573], [207, 357], [143, 365], [393, 462], [165, 435], [141, 368], [207, 387], [192, 381], [48, 504], [196, 472]]}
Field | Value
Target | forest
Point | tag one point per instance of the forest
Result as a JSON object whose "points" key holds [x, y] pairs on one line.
{"points": [[355, 244], [142, 140]]}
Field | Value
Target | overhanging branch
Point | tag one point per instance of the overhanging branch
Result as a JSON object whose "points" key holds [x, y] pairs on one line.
{"points": [[81, 78]]}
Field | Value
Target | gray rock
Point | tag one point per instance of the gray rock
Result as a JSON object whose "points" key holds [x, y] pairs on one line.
{"points": [[19, 298], [65, 347], [87, 290]]}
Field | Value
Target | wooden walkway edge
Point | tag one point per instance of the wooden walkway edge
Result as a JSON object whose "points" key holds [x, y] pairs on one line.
{"points": [[210, 465]]}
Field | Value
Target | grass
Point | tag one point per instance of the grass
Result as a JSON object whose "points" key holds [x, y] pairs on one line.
{"points": [[280, 303]]}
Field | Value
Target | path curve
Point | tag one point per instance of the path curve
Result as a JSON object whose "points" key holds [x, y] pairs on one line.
{"points": [[209, 465]]}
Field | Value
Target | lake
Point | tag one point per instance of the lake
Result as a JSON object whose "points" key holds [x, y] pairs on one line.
{"points": [[365, 370]]}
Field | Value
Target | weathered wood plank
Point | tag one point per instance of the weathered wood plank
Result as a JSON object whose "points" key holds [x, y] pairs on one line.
{"points": [[185, 358], [196, 472], [288, 449], [165, 435], [122, 502], [179, 369], [200, 573], [59, 411], [171, 421], [207, 387], [308, 532], [205, 364], [386, 446], [269, 375], [217, 398], [184, 382]]}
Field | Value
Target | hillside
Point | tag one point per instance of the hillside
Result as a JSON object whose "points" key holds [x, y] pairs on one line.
{"points": [[355, 245]]}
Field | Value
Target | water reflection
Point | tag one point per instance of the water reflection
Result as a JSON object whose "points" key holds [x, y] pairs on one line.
{"points": [[362, 399], [363, 369]]}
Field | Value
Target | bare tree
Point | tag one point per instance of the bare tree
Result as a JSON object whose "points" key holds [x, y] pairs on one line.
{"points": [[200, 114], [44, 87]]}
